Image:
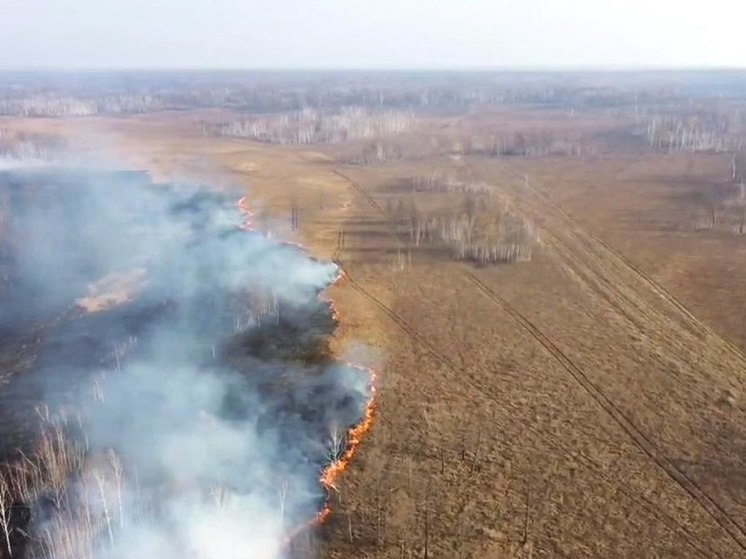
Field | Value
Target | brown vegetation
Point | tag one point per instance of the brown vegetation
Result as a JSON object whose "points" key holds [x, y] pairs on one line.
{"points": [[314, 127], [583, 400]]}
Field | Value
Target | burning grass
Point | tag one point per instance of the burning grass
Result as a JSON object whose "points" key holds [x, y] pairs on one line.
{"points": [[211, 420]]}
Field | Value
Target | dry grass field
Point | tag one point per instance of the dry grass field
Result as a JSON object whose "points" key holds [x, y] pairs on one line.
{"points": [[585, 401]]}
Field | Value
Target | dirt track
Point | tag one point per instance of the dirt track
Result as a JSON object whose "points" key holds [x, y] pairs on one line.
{"points": [[565, 407], [658, 382], [714, 369]]}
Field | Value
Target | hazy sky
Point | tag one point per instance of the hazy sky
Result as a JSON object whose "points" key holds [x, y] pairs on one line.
{"points": [[371, 33]]}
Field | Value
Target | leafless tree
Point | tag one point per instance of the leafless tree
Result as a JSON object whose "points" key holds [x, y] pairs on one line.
{"points": [[6, 500], [336, 442], [315, 127], [738, 166]]}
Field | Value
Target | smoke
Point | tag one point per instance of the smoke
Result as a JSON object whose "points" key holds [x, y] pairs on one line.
{"points": [[70, 227], [192, 356]]}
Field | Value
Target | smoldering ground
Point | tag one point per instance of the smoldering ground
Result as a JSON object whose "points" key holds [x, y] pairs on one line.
{"points": [[193, 403]]}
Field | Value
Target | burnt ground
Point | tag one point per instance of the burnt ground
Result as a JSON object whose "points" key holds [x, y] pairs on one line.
{"points": [[277, 361], [588, 403]]}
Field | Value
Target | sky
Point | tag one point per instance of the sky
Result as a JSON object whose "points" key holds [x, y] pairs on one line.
{"points": [[382, 34]]}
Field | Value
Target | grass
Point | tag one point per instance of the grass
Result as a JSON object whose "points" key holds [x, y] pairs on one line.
{"points": [[565, 406]]}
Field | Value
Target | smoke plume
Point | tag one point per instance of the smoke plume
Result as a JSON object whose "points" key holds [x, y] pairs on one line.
{"points": [[193, 403]]}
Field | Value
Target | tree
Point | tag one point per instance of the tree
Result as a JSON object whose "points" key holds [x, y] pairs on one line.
{"points": [[5, 527], [738, 166]]}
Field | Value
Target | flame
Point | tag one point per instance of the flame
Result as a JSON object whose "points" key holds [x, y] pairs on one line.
{"points": [[355, 436], [331, 474]]}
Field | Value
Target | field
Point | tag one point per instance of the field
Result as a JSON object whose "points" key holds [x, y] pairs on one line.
{"points": [[552, 299]]}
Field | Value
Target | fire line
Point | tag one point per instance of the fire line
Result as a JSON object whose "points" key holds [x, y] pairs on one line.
{"points": [[356, 434]]}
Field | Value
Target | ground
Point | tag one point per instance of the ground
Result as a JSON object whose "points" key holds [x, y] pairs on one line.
{"points": [[587, 403]]}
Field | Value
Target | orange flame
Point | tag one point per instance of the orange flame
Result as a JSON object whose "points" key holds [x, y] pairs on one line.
{"points": [[355, 435], [331, 474]]}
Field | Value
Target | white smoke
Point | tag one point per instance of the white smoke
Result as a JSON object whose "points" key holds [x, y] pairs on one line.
{"points": [[218, 451]]}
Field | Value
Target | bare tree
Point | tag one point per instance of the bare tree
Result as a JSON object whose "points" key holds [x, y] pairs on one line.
{"points": [[738, 166], [336, 443], [5, 512], [294, 215], [310, 126]]}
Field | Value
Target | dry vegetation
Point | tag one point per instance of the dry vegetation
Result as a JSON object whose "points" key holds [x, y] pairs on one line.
{"points": [[553, 294], [76, 497], [477, 227], [20, 145], [314, 127]]}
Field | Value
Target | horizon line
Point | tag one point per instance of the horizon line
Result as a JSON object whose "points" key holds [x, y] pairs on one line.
{"points": [[557, 68]]}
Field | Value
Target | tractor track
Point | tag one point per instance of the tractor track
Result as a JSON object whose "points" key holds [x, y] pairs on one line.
{"points": [[642, 441], [706, 503], [644, 319], [653, 509], [589, 258], [692, 322], [361, 191]]}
